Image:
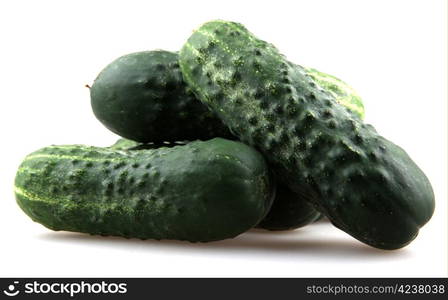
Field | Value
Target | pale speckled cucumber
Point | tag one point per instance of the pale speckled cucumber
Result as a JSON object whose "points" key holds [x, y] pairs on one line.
{"points": [[287, 212], [365, 184], [201, 191]]}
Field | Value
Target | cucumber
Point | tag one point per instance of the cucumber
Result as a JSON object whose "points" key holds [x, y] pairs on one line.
{"points": [[150, 113], [141, 96], [365, 184], [198, 192], [287, 212]]}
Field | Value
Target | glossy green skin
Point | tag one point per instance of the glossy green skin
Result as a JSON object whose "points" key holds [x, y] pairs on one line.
{"points": [[365, 184], [127, 145], [141, 96], [199, 192], [287, 212]]}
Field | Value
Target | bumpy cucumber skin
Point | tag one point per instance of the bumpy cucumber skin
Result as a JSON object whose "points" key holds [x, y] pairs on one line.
{"points": [[199, 192], [365, 184], [342, 92], [287, 212], [141, 96]]}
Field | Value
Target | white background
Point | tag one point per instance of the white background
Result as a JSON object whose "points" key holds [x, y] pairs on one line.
{"points": [[392, 52]]}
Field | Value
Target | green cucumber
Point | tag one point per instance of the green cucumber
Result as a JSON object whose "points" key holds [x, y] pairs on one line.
{"points": [[287, 212], [141, 96], [198, 192], [365, 184], [148, 112]]}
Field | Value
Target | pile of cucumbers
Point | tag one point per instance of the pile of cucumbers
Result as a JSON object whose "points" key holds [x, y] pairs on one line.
{"points": [[221, 137]]}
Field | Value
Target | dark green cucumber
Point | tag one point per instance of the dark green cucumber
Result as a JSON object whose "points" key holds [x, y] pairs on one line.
{"points": [[177, 115], [142, 97], [201, 191], [287, 212], [365, 184]]}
